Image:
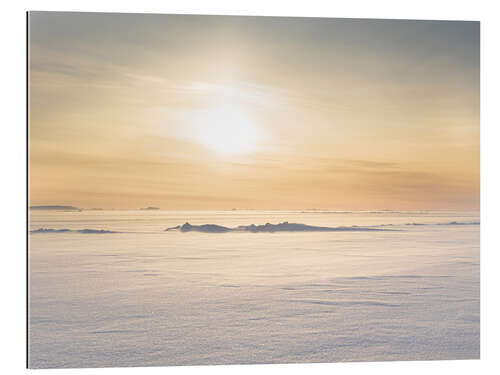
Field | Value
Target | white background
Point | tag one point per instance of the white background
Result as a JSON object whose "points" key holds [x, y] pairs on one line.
{"points": [[13, 168]]}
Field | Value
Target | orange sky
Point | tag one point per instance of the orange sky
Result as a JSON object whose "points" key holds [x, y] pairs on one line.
{"points": [[201, 112]]}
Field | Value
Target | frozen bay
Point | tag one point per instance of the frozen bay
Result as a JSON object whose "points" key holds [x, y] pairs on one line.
{"points": [[143, 296]]}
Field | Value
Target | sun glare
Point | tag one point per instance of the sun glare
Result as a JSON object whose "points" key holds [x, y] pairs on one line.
{"points": [[226, 128]]}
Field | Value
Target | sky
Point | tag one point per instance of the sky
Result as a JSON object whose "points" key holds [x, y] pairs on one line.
{"points": [[218, 112]]}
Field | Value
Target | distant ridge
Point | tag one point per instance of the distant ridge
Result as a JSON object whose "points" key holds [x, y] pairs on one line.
{"points": [[54, 208], [269, 228], [150, 208], [64, 230]]}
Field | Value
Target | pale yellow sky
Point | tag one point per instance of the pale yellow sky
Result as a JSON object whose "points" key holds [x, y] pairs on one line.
{"points": [[210, 112]]}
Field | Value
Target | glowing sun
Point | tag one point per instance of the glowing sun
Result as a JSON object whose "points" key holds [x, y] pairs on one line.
{"points": [[226, 128]]}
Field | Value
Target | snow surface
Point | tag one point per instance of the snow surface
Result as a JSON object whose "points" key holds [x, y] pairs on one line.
{"points": [[143, 297]]}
